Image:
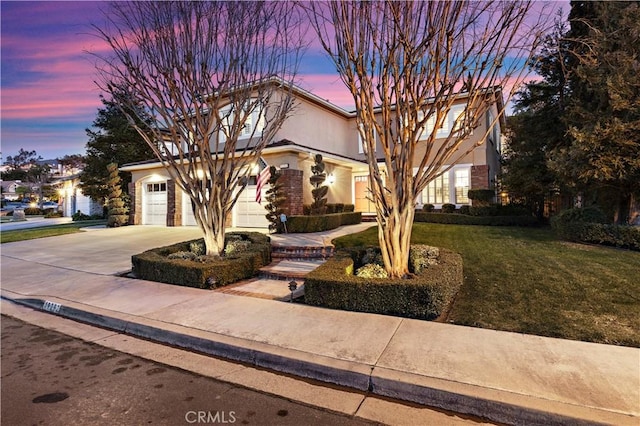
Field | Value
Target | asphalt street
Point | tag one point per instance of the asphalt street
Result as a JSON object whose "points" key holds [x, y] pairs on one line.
{"points": [[50, 378]]}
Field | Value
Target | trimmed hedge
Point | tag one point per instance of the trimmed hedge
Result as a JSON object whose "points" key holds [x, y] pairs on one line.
{"points": [[461, 219], [153, 265], [324, 222], [622, 236], [424, 296]]}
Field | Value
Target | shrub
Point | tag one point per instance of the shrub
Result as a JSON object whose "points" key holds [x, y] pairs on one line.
{"points": [[465, 209], [421, 257], [567, 228], [203, 271], [586, 214], [79, 216], [423, 296], [481, 196], [52, 214], [184, 255], [321, 222], [428, 208], [371, 270], [460, 219], [448, 208], [349, 208], [32, 211], [233, 247], [198, 247]]}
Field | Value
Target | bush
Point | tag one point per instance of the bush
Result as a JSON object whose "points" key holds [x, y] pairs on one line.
{"points": [[448, 208], [322, 222], [52, 213], [79, 216], [461, 219], [423, 296], [421, 257], [32, 211], [575, 225], [481, 196], [465, 209], [201, 271], [349, 208], [371, 270], [428, 208], [586, 214]]}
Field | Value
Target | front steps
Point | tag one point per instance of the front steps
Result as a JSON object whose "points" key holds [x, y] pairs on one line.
{"points": [[290, 263]]}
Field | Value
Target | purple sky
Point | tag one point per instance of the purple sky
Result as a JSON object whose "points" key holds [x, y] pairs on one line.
{"points": [[48, 97]]}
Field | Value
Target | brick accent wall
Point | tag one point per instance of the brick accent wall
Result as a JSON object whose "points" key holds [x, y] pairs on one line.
{"points": [[135, 213], [174, 206], [292, 186], [480, 177]]}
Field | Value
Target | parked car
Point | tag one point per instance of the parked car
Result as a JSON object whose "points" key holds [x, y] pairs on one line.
{"points": [[50, 205]]}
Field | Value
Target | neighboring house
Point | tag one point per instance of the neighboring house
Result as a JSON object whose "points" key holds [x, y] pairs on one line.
{"points": [[9, 189], [72, 198], [317, 126]]}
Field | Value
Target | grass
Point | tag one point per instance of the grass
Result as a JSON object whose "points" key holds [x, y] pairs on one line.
{"points": [[525, 280], [46, 231]]}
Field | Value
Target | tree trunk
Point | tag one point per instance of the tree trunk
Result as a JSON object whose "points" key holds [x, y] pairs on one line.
{"points": [[394, 236]]}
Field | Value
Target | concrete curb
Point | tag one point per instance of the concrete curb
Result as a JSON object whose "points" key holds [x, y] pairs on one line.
{"points": [[496, 405]]}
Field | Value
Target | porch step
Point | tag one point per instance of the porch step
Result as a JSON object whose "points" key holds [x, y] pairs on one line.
{"points": [[263, 289], [301, 253], [288, 270]]}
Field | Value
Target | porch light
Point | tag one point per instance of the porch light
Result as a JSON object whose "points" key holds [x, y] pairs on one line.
{"points": [[331, 179]]}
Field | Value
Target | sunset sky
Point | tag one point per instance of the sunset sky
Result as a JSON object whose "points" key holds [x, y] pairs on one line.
{"points": [[48, 97]]}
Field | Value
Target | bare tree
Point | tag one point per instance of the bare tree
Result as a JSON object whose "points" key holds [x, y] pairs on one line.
{"points": [[216, 79], [406, 64]]}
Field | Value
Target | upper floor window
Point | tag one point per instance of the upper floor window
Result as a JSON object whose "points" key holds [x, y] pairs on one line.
{"points": [[454, 120], [361, 145], [253, 124]]}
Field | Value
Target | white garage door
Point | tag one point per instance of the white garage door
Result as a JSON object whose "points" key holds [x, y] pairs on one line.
{"points": [[248, 213], [188, 219], [155, 204]]}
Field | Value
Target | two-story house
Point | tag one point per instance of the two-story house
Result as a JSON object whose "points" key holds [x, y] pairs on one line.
{"points": [[317, 126]]}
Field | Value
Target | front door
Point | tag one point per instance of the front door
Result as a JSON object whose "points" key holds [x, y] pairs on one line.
{"points": [[363, 199]]}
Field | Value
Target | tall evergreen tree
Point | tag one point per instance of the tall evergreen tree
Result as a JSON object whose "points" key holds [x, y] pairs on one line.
{"points": [[112, 140], [603, 115], [319, 191], [275, 201], [117, 212], [537, 127]]}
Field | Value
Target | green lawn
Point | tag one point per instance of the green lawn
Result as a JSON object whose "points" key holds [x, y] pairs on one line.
{"points": [[525, 280], [46, 231]]}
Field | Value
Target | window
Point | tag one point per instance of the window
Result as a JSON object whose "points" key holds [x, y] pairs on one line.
{"points": [[461, 179], [157, 187], [437, 191], [253, 124], [361, 145], [453, 120]]}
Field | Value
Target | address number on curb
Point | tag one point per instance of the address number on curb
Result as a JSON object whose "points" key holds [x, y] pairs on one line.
{"points": [[51, 306]]}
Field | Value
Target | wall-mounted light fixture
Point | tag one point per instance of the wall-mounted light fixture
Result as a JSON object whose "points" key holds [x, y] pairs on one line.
{"points": [[284, 166], [331, 179]]}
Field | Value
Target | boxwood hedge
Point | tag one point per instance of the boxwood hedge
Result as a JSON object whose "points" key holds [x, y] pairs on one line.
{"points": [[463, 219], [322, 222], [153, 265], [423, 296]]}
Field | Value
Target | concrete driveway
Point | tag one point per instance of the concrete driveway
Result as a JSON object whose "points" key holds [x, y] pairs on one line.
{"points": [[104, 251]]}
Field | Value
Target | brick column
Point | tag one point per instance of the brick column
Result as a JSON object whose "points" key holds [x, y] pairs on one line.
{"points": [[480, 177], [174, 206], [292, 186], [135, 213]]}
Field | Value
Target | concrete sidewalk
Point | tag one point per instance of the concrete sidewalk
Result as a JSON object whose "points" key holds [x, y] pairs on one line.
{"points": [[505, 377]]}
